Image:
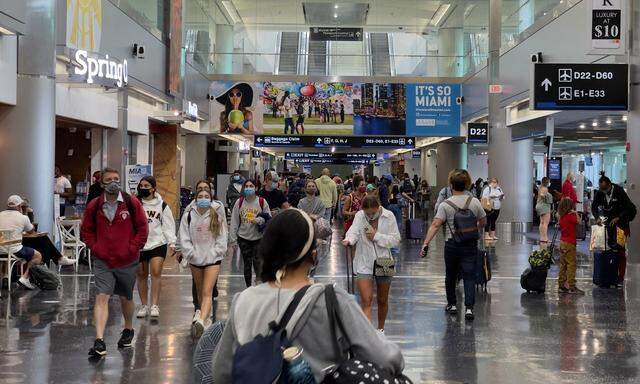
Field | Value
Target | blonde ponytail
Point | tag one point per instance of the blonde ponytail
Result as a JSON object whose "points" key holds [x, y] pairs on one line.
{"points": [[214, 225]]}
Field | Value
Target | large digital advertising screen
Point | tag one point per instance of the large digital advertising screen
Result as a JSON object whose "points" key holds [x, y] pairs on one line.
{"points": [[338, 109]]}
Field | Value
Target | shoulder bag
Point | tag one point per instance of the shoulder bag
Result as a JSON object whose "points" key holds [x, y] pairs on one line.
{"points": [[383, 266], [351, 370]]}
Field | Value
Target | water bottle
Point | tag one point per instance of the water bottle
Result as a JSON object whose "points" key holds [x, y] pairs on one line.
{"points": [[296, 369]]}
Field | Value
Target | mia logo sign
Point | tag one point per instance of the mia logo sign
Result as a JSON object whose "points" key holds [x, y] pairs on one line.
{"points": [[84, 24], [105, 71]]}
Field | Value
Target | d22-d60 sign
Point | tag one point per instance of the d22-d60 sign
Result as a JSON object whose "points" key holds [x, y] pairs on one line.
{"points": [[581, 87]]}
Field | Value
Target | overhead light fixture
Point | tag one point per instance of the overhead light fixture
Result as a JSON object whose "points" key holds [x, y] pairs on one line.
{"points": [[594, 124], [439, 15], [609, 121], [624, 118], [5, 31], [232, 11], [335, 6], [176, 113], [582, 126], [335, 15]]}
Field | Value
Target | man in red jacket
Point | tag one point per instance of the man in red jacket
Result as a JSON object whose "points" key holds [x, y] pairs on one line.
{"points": [[115, 229]]}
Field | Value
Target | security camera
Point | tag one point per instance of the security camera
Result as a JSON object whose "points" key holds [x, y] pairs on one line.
{"points": [[536, 57], [138, 51], [460, 100]]}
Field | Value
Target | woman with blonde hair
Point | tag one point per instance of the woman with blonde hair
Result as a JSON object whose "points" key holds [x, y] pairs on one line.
{"points": [[543, 208], [203, 240]]}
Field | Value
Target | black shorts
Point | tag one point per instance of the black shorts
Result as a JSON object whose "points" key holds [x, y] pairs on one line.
{"points": [[207, 265], [146, 256]]}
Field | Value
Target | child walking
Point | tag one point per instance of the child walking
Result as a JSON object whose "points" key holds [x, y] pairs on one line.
{"points": [[568, 223]]}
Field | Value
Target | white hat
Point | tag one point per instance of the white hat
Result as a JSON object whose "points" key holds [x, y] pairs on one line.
{"points": [[14, 201]]}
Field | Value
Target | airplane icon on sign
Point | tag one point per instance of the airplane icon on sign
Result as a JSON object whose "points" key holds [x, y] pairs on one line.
{"points": [[565, 75], [564, 94]]}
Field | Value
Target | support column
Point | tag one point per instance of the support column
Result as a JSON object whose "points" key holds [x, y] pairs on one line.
{"points": [[224, 49], [118, 139], [195, 166], [451, 45], [27, 130], [633, 155], [450, 156]]}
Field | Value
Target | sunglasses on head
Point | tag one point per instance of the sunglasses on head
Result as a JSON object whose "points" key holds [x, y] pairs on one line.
{"points": [[235, 94]]}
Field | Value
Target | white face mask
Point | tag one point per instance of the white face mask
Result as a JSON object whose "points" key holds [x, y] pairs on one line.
{"points": [[373, 217]]}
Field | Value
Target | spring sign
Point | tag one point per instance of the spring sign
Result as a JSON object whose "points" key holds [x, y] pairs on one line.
{"points": [[433, 109]]}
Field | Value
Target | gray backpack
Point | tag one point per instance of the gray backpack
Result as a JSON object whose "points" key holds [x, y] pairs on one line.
{"points": [[44, 278], [465, 223]]}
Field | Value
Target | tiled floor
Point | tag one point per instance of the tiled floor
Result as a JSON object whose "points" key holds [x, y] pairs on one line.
{"points": [[516, 337]]}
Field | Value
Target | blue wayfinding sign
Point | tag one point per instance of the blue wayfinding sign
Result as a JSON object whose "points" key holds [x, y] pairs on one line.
{"points": [[433, 109]]}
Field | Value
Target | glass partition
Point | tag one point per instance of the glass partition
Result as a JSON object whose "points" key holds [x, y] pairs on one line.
{"points": [[149, 13]]}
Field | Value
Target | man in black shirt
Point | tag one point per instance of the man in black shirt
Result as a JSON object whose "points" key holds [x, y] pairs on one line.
{"points": [[95, 190], [270, 192]]}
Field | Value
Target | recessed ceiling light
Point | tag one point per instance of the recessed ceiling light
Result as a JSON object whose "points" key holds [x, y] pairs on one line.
{"points": [[335, 6], [624, 118], [582, 126], [609, 121], [335, 15], [594, 124]]}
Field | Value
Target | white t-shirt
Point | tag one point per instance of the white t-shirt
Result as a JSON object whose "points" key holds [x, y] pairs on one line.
{"points": [[61, 184], [287, 108], [446, 212], [17, 223]]}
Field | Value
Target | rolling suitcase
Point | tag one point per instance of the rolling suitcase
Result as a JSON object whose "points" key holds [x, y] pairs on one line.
{"points": [[414, 228], [581, 231], [605, 268], [483, 269], [534, 279]]}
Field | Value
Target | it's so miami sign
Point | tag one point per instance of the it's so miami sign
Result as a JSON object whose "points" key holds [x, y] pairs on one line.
{"points": [[433, 109], [94, 68]]}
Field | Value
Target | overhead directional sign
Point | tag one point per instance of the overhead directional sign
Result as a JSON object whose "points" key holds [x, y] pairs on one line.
{"points": [[323, 155], [334, 141], [581, 87], [330, 160], [335, 34]]}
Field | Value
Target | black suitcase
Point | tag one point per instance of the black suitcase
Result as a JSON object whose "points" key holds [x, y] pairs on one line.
{"points": [[483, 269], [605, 268], [534, 279], [581, 231]]}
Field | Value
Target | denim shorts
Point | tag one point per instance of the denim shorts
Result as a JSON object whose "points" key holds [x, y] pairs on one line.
{"points": [[378, 279]]}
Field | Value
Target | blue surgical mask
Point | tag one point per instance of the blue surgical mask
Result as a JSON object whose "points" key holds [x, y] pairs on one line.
{"points": [[249, 191], [203, 203], [237, 178], [274, 185]]}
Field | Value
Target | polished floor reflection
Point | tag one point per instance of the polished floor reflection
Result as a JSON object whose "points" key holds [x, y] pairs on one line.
{"points": [[516, 337]]}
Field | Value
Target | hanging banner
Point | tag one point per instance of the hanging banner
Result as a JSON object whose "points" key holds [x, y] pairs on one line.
{"points": [[338, 109], [606, 24], [135, 173]]}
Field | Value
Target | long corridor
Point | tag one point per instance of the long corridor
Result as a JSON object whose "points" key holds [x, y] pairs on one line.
{"points": [[516, 337]]}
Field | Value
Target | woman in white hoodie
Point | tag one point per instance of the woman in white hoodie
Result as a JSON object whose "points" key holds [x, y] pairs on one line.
{"points": [[161, 241], [203, 241], [375, 231]]}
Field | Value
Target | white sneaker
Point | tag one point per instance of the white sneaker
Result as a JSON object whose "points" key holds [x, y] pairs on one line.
{"points": [[196, 316], [155, 311], [64, 260], [143, 312], [24, 281], [197, 328]]}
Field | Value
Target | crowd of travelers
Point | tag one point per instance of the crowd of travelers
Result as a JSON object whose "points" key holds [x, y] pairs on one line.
{"points": [[282, 230]]}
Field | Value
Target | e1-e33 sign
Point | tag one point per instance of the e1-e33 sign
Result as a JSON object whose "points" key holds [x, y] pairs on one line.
{"points": [[581, 87]]}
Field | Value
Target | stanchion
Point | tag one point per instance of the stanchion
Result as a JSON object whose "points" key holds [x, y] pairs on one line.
{"points": [[349, 259]]}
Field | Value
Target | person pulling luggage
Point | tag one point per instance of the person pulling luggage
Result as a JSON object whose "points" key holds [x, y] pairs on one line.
{"points": [[464, 218]]}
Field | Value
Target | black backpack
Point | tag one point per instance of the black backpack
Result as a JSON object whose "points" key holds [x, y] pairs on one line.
{"points": [[465, 223], [260, 361], [44, 278]]}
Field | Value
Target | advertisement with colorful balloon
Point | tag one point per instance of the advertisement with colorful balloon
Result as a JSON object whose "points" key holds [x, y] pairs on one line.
{"points": [[324, 108]]}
